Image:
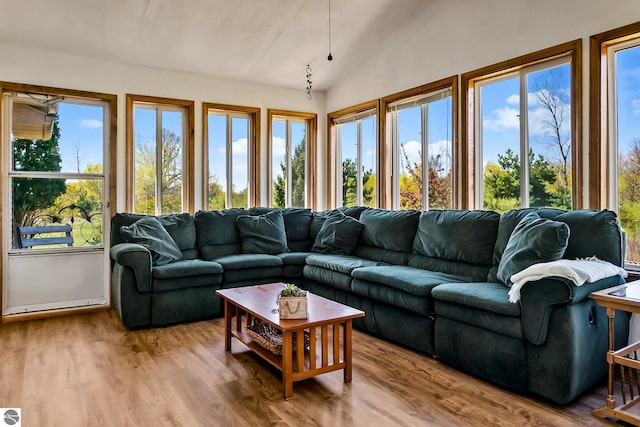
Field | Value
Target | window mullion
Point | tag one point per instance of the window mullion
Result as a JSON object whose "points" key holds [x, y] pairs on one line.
{"points": [[339, 167], [287, 159], [229, 163], [424, 123], [395, 167], [359, 161], [158, 203], [524, 141]]}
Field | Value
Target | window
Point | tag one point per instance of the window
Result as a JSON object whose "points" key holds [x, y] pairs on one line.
{"points": [[159, 155], [615, 130], [354, 140], [520, 126], [230, 133], [57, 169], [420, 123], [292, 153]]}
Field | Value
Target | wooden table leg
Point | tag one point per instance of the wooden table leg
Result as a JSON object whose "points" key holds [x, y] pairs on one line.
{"points": [[228, 308], [346, 343], [611, 402], [287, 364]]}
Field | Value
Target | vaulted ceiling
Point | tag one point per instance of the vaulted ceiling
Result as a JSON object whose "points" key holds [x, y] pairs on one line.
{"points": [[264, 41]]}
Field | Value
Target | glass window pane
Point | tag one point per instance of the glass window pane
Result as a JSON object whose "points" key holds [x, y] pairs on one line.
{"points": [[410, 152], [217, 128], [349, 147], [68, 139], [144, 160], [628, 142], [549, 128], [368, 161], [440, 154], [278, 166], [171, 165], [500, 129], [298, 164], [42, 202], [240, 161]]}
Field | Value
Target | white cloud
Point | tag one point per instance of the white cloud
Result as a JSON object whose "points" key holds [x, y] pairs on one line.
{"points": [[278, 146], [239, 147], [440, 148], [90, 123], [513, 99], [413, 151], [505, 119], [636, 106]]}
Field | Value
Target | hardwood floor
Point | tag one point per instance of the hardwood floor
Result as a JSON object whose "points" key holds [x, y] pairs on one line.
{"points": [[88, 370]]}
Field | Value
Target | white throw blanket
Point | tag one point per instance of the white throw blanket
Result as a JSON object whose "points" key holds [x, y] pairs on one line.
{"points": [[579, 271]]}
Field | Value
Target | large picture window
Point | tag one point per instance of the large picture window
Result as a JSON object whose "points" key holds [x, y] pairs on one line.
{"points": [[292, 152], [420, 125], [354, 140], [615, 130], [520, 129], [159, 155], [231, 143]]}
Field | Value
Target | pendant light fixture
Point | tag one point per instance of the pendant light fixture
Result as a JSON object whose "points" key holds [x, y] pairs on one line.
{"points": [[330, 57]]}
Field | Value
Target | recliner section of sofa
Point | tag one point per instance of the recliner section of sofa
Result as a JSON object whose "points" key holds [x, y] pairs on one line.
{"points": [[426, 280]]}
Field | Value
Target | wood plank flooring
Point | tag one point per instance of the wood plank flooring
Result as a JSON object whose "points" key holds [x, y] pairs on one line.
{"points": [[88, 370]]}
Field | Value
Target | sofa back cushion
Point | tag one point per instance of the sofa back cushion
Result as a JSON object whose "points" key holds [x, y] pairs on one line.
{"points": [[181, 227], [534, 240], [297, 223], [387, 235], [217, 234], [149, 232], [592, 232], [339, 234], [456, 242], [262, 234]]}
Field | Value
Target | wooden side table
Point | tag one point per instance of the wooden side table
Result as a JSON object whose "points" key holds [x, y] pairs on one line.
{"points": [[626, 298]]}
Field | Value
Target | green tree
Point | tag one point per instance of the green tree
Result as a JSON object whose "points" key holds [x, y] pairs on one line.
{"points": [[411, 179], [298, 179], [171, 174], [350, 185], [217, 196], [32, 195], [502, 182]]}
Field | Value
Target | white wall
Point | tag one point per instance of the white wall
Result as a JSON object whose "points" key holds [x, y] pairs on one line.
{"points": [[50, 69]]}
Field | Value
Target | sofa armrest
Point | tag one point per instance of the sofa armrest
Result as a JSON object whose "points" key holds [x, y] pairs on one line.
{"points": [[136, 257], [538, 298]]}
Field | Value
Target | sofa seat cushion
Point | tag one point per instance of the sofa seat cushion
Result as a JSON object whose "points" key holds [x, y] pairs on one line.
{"points": [[411, 280], [294, 258], [488, 296], [244, 261], [186, 268], [485, 305], [341, 263], [185, 274]]}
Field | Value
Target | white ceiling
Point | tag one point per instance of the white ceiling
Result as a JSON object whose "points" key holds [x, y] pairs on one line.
{"points": [[264, 41]]}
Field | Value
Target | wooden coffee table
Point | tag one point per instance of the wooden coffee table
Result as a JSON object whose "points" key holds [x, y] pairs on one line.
{"points": [[328, 325]]}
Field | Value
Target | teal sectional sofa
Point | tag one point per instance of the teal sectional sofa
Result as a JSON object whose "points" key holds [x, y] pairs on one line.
{"points": [[432, 281]]}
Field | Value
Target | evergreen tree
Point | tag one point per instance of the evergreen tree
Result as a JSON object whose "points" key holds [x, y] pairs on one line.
{"points": [[298, 179], [32, 195]]}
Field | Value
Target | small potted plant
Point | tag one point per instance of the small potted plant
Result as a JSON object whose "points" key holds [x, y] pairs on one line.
{"points": [[292, 302]]}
